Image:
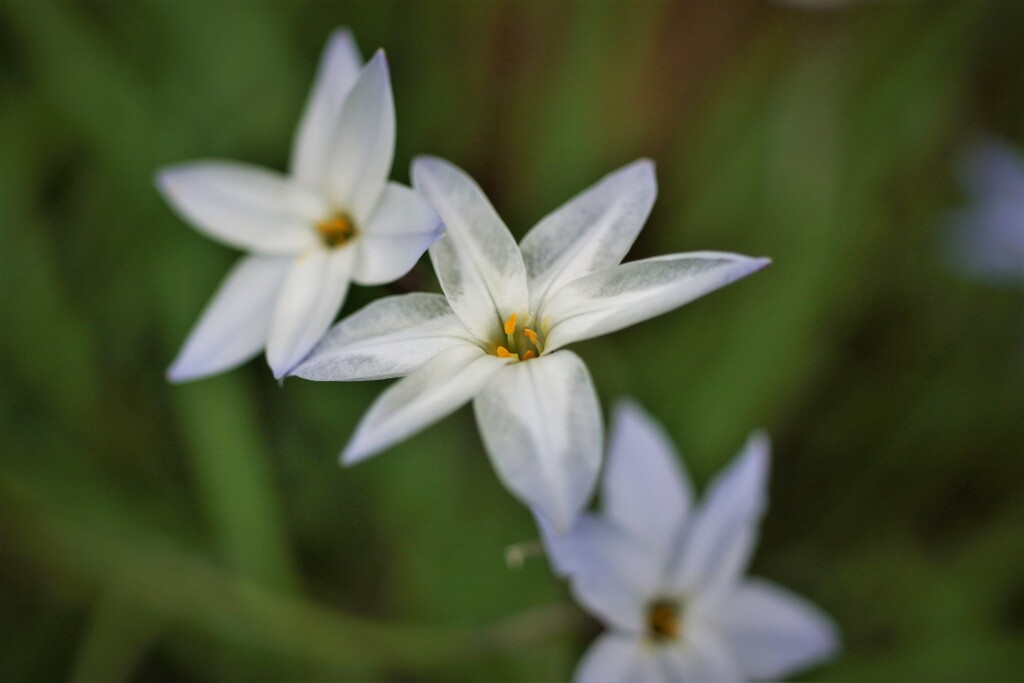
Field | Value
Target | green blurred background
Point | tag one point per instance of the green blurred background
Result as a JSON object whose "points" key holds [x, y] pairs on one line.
{"points": [[205, 531]]}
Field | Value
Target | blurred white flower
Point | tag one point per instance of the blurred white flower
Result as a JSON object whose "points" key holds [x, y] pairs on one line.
{"points": [[666, 577], [334, 219], [497, 335], [987, 238]]}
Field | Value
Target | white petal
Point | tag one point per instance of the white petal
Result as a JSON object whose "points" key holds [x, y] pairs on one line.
{"points": [[477, 261], [541, 424], [618, 658], [700, 657], [243, 206], [397, 233], [438, 388], [590, 232], [337, 73], [618, 297], [724, 529], [388, 338], [365, 144], [612, 576], [233, 327], [644, 490], [774, 632], [313, 292]]}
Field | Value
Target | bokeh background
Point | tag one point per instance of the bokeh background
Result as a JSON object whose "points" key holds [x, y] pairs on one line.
{"points": [[205, 531]]}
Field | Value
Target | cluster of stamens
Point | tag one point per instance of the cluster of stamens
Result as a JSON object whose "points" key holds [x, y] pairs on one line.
{"points": [[530, 338], [336, 230], [663, 620]]}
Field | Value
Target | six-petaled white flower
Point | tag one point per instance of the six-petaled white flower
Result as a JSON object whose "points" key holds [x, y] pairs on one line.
{"points": [[666, 577], [334, 219], [497, 336]]}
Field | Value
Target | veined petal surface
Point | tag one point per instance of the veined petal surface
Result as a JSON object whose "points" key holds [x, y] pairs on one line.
{"points": [[439, 387], [772, 631], [312, 293], [644, 490], [314, 139], [724, 528], [365, 143], [388, 338], [395, 235], [243, 206], [478, 263], [590, 232], [233, 328], [541, 423], [624, 295], [619, 658]]}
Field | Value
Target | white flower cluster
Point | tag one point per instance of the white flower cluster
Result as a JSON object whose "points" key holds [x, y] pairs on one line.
{"points": [[665, 579]]}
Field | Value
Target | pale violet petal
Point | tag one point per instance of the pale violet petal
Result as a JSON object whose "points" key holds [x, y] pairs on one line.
{"points": [[438, 388], [700, 656], [243, 206], [624, 295], [395, 235], [541, 424], [618, 658], [339, 67], [365, 143], [611, 576], [388, 338], [772, 631], [724, 528], [477, 261], [590, 232], [594, 552], [991, 168], [644, 489], [313, 292], [233, 327]]}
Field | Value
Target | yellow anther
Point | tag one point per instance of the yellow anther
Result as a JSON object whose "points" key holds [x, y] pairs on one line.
{"points": [[502, 352], [510, 324], [528, 355], [336, 230], [531, 335]]}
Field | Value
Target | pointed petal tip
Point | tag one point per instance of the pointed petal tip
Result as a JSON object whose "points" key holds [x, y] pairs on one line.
{"points": [[353, 454], [379, 60], [175, 374], [341, 34], [756, 452]]}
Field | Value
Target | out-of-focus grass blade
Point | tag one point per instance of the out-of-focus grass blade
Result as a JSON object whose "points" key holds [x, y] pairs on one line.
{"points": [[164, 579], [231, 464], [116, 638]]}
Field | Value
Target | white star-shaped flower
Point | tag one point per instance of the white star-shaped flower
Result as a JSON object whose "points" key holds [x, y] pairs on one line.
{"points": [[666, 577], [497, 336], [334, 219]]}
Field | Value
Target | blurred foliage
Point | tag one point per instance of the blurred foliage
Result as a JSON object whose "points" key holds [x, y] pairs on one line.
{"points": [[206, 532]]}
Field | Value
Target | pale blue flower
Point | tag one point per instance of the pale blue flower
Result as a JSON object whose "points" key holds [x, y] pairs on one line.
{"points": [[987, 237], [333, 219], [666, 576]]}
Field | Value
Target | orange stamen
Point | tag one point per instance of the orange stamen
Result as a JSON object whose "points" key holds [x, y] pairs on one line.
{"points": [[528, 355], [531, 335], [502, 352], [510, 324]]}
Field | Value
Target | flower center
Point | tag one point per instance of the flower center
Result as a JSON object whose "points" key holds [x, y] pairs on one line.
{"points": [[520, 342], [336, 230], [663, 620]]}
